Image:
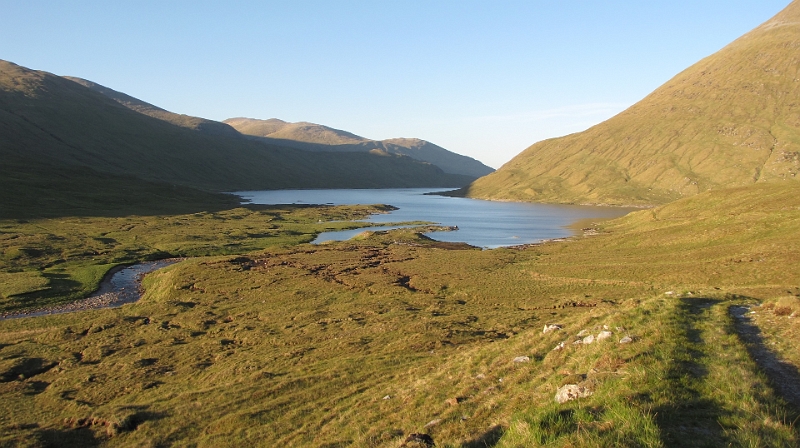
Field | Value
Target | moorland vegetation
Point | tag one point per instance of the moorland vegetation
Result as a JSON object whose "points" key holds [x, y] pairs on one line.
{"points": [[365, 342], [672, 326]]}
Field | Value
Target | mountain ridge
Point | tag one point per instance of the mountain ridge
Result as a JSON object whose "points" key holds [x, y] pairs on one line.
{"points": [[48, 123], [316, 137], [728, 120]]}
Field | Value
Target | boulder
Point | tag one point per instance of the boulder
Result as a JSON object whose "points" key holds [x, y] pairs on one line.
{"points": [[570, 392], [603, 335], [549, 328]]}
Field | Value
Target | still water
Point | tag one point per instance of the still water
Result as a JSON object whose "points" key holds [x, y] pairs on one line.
{"points": [[488, 224]]}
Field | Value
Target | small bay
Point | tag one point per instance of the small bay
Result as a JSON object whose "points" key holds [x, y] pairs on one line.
{"points": [[487, 224]]}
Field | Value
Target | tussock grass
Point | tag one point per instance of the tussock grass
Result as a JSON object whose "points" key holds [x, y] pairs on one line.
{"points": [[364, 342], [46, 261]]}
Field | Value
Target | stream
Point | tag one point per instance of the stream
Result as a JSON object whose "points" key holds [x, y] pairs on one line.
{"points": [[121, 285]]}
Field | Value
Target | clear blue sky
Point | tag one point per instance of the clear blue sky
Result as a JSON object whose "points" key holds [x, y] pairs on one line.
{"points": [[482, 78]]}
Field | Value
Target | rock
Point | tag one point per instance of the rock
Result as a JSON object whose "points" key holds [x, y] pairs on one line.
{"points": [[416, 440], [626, 340], [433, 423], [480, 376], [582, 333], [451, 401], [669, 293], [549, 328], [603, 335], [570, 392], [560, 346], [588, 339], [522, 359], [387, 397]]}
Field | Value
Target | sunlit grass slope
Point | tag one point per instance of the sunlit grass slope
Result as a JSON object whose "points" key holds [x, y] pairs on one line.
{"points": [[362, 343], [730, 120]]}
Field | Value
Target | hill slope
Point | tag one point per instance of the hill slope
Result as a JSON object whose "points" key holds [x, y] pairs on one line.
{"points": [[48, 122], [187, 121], [729, 120], [316, 137]]}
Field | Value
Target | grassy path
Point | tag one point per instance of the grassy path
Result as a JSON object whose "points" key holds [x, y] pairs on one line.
{"points": [[783, 376], [687, 380]]}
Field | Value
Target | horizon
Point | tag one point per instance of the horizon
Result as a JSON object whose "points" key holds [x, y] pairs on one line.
{"points": [[467, 76]]}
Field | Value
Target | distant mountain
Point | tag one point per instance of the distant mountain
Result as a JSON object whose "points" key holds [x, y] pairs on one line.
{"points": [[48, 122], [316, 137], [731, 119]]}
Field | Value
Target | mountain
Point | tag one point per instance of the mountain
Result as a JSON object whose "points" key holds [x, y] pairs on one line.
{"points": [[186, 121], [731, 119], [316, 137], [49, 123]]}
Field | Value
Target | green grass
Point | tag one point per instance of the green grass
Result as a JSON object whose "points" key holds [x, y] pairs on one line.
{"points": [[49, 261], [726, 121], [298, 345]]}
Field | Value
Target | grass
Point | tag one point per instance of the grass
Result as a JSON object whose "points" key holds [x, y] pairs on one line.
{"points": [[726, 121], [50, 261], [362, 343]]}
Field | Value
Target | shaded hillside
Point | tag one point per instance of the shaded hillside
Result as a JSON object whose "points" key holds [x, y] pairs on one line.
{"points": [[29, 189], [316, 137], [731, 119], [186, 121], [52, 121]]}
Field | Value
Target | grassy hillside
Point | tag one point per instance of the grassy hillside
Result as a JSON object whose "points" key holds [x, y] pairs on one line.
{"points": [[729, 120], [187, 121], [315, 137], [362, 343], [46, 119], [30, 189]]}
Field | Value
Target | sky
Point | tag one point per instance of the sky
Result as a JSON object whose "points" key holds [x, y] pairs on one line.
{"points": [[481, 78]]}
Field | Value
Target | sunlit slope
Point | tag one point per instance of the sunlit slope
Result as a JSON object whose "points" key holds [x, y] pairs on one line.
{"points": [[316, 137], [52, 120], [731, 119]]}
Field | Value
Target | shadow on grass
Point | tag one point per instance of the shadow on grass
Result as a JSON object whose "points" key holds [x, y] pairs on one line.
{"points": [[690, 419], [81, 437], [60, 287], [783, 376], [489, 439]]}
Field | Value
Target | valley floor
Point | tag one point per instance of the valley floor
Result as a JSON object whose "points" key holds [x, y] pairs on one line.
{"points": [[365, 342]]}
